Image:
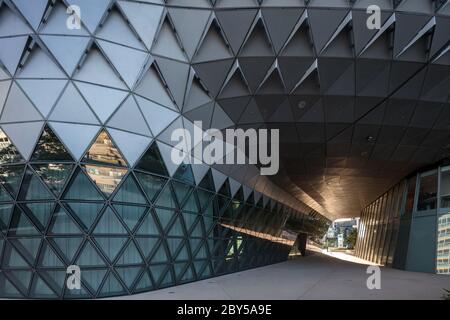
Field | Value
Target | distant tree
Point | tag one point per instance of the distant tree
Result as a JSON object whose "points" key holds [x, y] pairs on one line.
{"points": [[446, 295], [351, 238]]}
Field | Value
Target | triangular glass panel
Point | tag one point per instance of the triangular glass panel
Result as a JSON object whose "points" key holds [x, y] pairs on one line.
{"points": [[32, 188], [145, 283], [104, 151], [5, 216], [191, 203], [89, 257], [152, 161], [50, 148], [179, 269], [177, 228], [21, 278], [8, 289], [207, 182], [4, 195], [28, 247], [130, 192], [184, 173], [85, 212], [158, 272], [174, 244], [181, 191], [128, 274], [67, 247], [111, 246], [11, 177], [12, 258], [56, 279], [204, 198], [8, 151], [81, 188], [54, 175], [167, 279], [189, 220], [109, 224], [106, 178], [131, 215], [165, 198], [131, 255], [197, 231], [82, 293], [160, 255], [152, 185], [164, 217], [112, 286], [225, 189], [62, 223], [148, 226], [21, 224], [41, 212], [48, 258], [183, 253], [202, 252], [147, 245], [40, 289], [93, 278]]}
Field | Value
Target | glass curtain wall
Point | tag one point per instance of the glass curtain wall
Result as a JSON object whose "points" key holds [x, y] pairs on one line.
{"points": [[409, 226]]}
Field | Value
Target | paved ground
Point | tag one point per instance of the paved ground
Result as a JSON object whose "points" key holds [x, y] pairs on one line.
{"points": [[317, 276]]}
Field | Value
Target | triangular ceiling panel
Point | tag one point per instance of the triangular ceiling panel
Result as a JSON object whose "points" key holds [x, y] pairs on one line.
{"points": [[213, 46], [84, 134], [18, 107], [24, 136], [131, 145], [32, 11], [190, 25], [104, 101], [144, 18], [11, 24], [93, 11], [128, 62], [66, 50], [258, 42], [72, 107], [176, 76], [116, 29], [128, 117], [167, 44], [56, 22], [152, 87], [11, 52], [43, 93], [213, 74], [157, 117], [97, 70], [236, 24], [40, 65], [280, 23], [323, 24], [196, 95]]}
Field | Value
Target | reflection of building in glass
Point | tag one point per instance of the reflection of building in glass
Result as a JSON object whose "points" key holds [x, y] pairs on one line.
{"points": [[443, 245]]}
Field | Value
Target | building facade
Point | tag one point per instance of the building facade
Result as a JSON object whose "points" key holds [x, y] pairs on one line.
{"points": [[408, 227]]}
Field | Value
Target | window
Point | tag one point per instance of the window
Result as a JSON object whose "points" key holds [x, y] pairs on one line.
{"points": [[427, 192], [445, 188]]}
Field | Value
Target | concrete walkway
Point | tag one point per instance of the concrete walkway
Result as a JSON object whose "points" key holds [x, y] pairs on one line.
{"points": [[316, 276]]}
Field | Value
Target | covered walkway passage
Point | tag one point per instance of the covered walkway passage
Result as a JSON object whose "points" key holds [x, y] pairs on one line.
{"points": [[316, 276]]}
